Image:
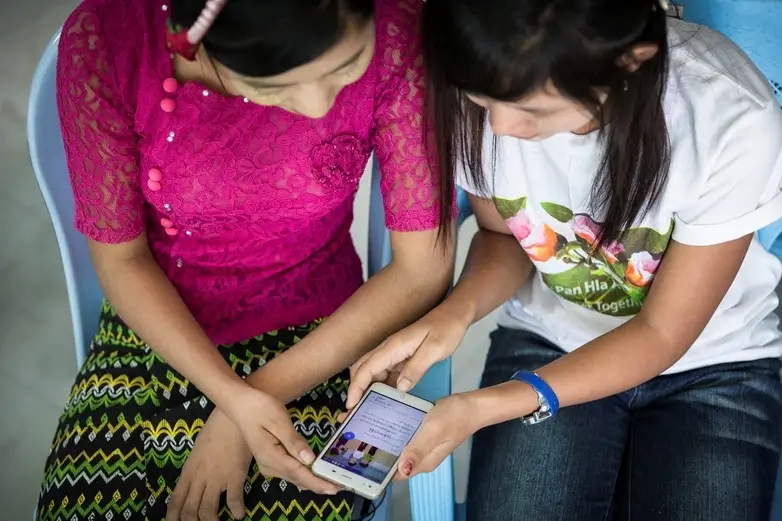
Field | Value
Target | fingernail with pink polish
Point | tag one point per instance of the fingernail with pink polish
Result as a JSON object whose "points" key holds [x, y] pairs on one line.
{"points": [[407, 468]]}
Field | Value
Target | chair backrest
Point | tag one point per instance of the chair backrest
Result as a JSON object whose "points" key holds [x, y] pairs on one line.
{"points": [[48, 160]]}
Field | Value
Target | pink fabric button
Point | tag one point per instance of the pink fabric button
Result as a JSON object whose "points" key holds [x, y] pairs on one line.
{"points": [[166, 223], [155, 174], [168, 105], [170, 85], [155, 186], [172, 231]]}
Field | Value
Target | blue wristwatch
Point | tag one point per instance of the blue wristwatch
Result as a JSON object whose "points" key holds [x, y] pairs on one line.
{"points": [[547, 399]]}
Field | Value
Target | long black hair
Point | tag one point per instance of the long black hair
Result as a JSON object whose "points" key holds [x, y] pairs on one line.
{"points": [[260, 38], [507, 49]]}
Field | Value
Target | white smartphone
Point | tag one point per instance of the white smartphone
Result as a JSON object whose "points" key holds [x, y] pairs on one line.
{"points": [[364, 453]]}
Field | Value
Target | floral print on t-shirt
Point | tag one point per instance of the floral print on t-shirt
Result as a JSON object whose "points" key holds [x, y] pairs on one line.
{"points": [[613, 280]]}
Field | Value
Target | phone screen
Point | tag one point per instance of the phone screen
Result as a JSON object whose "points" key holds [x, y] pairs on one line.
{"points": [[374, 437]]}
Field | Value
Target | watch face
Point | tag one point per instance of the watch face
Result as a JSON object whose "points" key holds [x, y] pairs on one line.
{"points": [[538, 416]]}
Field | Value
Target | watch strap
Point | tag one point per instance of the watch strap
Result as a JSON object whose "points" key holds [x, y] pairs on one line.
{"points": [[547, 398]]}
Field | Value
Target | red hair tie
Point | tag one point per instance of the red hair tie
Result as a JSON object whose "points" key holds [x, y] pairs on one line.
{"points": [[184, 41]]}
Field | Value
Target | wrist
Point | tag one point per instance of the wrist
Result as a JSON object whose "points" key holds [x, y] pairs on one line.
{"points": [[459, 310], [230, 395], [500, 403], [288, 376], [267, 384]]}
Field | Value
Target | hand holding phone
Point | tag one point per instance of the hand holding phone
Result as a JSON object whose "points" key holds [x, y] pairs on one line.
{"points": [[364, 453]]}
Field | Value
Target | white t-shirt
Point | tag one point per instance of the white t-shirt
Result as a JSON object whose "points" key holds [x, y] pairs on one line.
{"points": [[725, 181]]}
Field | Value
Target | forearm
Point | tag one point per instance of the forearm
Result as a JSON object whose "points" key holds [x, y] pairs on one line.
{"points": [[147, 301], [622, 359], [391, 300], [496, 267], [641, 348]]}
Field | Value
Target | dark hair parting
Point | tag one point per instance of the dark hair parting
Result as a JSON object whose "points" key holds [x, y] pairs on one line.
{"points": [[259, 38]]}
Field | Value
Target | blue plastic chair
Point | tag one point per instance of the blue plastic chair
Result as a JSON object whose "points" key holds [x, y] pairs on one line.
{"points": [[48, 159]]}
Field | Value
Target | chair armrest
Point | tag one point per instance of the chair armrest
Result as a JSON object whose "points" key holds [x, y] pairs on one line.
{"points": [[432, 495]]}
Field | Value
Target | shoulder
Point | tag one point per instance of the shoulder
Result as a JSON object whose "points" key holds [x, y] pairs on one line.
{"points": [[710, 76], [397, 26], [718, 103], [115, 20], [110, 39], [402, 16]]}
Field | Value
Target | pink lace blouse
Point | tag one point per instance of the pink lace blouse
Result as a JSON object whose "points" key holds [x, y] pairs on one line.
{"points": [[247, 208]]}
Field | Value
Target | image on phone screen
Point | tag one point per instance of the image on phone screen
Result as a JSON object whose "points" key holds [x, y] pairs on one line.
{"points": [[373, 439]]}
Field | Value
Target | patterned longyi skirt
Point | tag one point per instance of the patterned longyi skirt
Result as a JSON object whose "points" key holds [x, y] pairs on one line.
{"points": [[130, 422]]}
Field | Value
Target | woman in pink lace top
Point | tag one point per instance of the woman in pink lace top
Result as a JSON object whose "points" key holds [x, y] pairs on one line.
{"points": [[215, 152]]}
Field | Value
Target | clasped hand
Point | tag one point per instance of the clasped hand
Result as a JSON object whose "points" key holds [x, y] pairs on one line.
{"points": [[221, 456]]}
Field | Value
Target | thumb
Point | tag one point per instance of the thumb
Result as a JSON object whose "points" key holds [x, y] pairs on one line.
{"points": [[294, 444], [234, 497], [410, 461]]}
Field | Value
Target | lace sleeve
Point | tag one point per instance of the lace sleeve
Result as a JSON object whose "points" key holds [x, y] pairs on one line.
{"points": [[100, 145], [404, 147]]}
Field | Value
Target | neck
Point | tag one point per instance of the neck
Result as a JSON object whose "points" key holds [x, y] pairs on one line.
{"points": [[590, 127], [201, 70]]}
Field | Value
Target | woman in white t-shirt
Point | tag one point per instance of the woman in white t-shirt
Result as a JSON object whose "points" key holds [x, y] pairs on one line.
{"points": [[633, 157]]}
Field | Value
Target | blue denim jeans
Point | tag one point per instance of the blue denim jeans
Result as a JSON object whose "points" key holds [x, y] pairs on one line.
{"points": [[700, 445]]}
